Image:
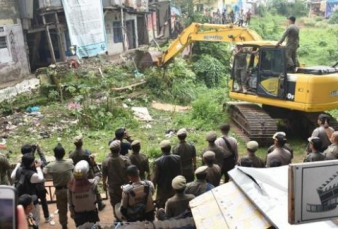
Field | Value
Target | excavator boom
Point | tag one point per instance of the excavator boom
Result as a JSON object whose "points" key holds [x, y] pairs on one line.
{"points": [[200, 32]]}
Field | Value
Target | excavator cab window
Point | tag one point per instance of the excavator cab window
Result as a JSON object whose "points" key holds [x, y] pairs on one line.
{"points": [[271, 75]]}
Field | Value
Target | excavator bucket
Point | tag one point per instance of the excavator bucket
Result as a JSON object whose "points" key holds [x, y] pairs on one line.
{"points": [[149, 59]]}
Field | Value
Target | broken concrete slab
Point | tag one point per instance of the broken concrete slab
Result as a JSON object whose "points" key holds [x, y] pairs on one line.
{"points": [[142, 113], [169, 107], [24, 86]]}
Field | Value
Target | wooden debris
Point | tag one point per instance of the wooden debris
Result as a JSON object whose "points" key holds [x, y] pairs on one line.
{"points": [[129, 87]]}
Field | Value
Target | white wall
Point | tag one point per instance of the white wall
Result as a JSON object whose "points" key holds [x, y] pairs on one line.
{"points": [[117, 48]]}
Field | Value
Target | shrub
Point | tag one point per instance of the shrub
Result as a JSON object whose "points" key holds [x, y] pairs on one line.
{"points": [[209, 70], [334, 17]]}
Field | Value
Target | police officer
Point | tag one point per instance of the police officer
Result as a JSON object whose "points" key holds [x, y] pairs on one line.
{"points": [[315, 144], [229, 145], [218, 151], [279, 154], [114, 169], [200, 185], [83, 154], [214, 172], [331, 153], [324, 131], [82, 196], [166, 168], [286, 145], [187, 152], [61, 172], [4, 170], [179, 203], [139, 159], [256, 162], [137, 202], [292, 44]]}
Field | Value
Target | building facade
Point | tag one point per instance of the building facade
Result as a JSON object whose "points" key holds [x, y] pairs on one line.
{"points": [[13, 56]]}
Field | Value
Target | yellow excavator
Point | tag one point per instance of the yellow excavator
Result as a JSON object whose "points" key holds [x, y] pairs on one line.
{"points": [[297, 97]]}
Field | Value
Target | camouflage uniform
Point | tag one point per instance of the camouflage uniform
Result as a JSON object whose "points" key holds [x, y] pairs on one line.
{"points": [[4, 169], [292, 44]]}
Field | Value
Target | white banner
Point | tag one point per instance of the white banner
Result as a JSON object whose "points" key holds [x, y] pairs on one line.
{"points": [[86, 26]]}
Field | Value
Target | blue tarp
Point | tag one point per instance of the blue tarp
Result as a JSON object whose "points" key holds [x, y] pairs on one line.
{"points": [[331, 5]]}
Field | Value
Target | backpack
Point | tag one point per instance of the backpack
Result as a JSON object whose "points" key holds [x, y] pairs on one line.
{"points": [[137, 211], [23, 184]]}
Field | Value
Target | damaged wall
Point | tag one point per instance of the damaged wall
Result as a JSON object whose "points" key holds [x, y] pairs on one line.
{"points": [[13, 57], [115, 34]]}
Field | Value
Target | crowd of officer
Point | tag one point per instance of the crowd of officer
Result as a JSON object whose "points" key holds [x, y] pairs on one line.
{"points": [[131, 186]]}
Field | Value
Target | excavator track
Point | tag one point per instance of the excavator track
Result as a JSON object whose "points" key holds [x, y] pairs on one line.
{"points": [[253, 121]]}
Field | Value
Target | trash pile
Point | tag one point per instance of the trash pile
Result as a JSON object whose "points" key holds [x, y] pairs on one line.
{"points": [[33, 121]]}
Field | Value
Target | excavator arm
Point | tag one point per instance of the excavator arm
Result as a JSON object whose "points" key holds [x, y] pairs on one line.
{"points": [[201, 32]]}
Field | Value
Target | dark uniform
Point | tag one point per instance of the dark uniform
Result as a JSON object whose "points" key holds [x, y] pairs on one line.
{"points": [[179, 203], [4, 170], [256, 162], [114, 168], [219, 154], [141, 162], [324, 134], [166, 168], [315, 156], [331, 153], [198, 187], [231, 155], [292, 44], [187, 152], [62, 173], [82, 196], [214, 175], [279, 154]]}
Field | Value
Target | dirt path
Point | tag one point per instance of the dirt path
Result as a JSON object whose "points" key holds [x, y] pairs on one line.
{"points": [[106, 216]]}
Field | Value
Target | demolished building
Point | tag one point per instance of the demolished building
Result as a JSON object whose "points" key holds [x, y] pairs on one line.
{"points": [[35, 33]]}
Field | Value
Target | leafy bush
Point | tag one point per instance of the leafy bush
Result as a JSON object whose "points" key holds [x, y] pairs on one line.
{"points": [[209, 70], [207, 110], [174, 84], [334, 17], [309, 22], [105, 115], [287, 8], [321, 24]]}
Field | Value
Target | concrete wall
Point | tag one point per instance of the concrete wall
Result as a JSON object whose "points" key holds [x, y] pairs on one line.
{"points": [[111, 17], [13, 58]]}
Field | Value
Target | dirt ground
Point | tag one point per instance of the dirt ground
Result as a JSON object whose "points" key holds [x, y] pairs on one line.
{"points": [[106, 216]]}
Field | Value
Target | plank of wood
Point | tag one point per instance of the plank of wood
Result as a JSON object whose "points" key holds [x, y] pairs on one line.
{"points": [[128, 87]]}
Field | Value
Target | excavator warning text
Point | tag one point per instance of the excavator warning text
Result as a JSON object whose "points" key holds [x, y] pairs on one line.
{"points": [[213, 37]]}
